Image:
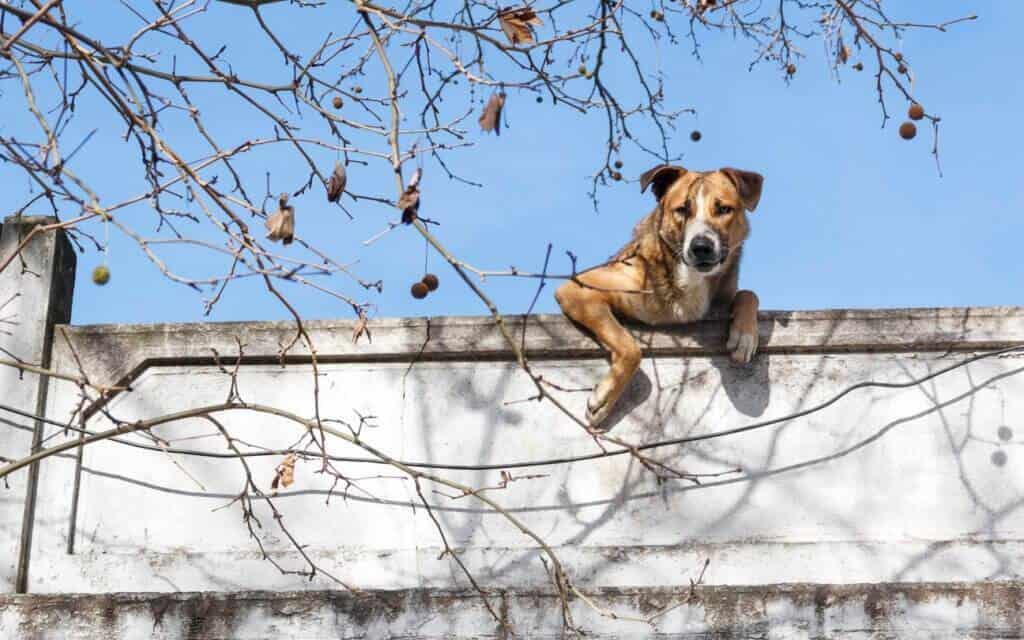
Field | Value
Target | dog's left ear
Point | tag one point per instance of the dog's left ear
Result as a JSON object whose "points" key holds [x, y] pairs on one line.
{"points": [[661, 177], [748, 184]]}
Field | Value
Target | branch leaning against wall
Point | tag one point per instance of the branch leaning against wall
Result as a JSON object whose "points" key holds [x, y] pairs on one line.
{"points": [[396, 86]]}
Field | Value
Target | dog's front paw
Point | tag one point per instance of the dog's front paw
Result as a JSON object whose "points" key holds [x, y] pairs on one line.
{"points": [[599, 405], [742, 344]]}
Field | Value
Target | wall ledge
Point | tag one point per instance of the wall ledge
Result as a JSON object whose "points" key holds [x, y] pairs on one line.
{"points": [[910, 610], [123, 350]]}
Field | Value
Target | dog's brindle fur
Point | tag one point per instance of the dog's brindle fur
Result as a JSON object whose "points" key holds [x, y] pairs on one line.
{"points": [[683, 258]]}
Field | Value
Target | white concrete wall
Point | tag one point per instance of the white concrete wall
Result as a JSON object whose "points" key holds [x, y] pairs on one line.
{"points": [[35, 292], [916, 485]]}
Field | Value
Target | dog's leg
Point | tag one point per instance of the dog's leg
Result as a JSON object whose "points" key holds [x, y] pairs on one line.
{"points": [[590, 308], [742, 342]]}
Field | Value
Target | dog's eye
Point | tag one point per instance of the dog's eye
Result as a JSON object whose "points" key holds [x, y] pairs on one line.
{"points": [[684, 210], [723, 210]]}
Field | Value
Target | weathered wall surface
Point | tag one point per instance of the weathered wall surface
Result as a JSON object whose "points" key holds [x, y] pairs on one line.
{"points": [[896, 485], [856, 612], [35, 293]]}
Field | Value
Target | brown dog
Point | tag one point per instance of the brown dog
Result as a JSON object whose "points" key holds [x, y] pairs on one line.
{"points": [[683, 257]]}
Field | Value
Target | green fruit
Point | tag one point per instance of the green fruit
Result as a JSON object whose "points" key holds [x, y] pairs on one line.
{"points": [[101, 275]]}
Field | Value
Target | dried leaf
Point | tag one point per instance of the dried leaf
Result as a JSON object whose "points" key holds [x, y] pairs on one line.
{"points": [[337, 182], [516, 24], [844, 53], [281, 225], [409, 203], [361, 328], [490, 119], [284, 474]]}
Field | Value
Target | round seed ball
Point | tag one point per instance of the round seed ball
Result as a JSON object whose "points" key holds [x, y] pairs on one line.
{"points": [[357, 89], [419, 291], [902, 68], [618, 164], [695, 135], [337, 102], [431, 281], [908, 130], [790, 69], [916, 111], [657, 15], [101, 275], [582, 69], [616, 176]]}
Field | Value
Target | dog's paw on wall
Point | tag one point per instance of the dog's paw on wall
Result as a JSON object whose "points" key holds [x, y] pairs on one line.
{"points": [[636, 393]]}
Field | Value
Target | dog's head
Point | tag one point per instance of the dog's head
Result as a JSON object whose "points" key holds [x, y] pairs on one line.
{"points": [[702, 216]]}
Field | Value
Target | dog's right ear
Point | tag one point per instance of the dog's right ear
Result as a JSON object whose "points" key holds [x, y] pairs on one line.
{"points": [[660, 178]]}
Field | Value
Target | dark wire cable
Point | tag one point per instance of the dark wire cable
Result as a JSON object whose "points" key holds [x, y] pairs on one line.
{"points": [[567, 459]]}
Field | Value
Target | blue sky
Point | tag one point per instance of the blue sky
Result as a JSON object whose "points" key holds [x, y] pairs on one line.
{"points": [[851, 215]]}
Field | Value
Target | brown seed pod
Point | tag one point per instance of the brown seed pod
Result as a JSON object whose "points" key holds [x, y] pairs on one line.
{"points": [[357, 89], [616, 176], [336, 183], [859, 66], [695, 135], [101, 275], [419, 290], [908, 130], [902, 68], [790, 69], [337, 102], [657, 15], [618, 164], [915, 112], [431, 281], [582, 69]]}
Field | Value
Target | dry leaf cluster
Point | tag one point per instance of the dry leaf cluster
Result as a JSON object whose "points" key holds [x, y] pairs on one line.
{"points": [[281, 225], [518, 23]]}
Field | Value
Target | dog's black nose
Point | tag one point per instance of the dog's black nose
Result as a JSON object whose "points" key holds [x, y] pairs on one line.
{"points": [[703, 249]]}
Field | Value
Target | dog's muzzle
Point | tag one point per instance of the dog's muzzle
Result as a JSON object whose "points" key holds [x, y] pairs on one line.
{"points": [[705, 254]]}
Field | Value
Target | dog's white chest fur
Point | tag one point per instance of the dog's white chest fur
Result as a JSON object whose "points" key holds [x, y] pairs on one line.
{"points": [[691, 303], [696, 298]]}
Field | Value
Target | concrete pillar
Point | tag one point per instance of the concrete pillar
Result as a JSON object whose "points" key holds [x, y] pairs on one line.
{"points": [[36, 287]]}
